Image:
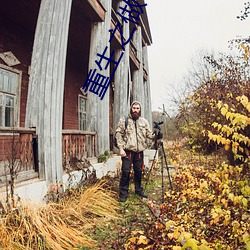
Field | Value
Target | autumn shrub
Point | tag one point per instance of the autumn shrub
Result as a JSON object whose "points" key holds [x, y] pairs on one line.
{"points": [[207, 209], [234, 133], [220, 78]]}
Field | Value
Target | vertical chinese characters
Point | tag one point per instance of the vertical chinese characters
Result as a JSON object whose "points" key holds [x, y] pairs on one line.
{"points": [[96, 82]]}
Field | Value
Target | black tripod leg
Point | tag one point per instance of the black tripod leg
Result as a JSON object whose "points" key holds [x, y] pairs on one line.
{"points": [[165, 158], [150, 170], [162, 179]]}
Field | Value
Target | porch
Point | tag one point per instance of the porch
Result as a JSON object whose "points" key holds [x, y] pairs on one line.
{"points": [[19, 152]]}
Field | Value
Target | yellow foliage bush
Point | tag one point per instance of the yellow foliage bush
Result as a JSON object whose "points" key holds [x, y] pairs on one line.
{"points": [[231, 135]]}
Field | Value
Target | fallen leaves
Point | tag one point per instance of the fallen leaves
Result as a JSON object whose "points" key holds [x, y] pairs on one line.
{"points": [[208, 208]]}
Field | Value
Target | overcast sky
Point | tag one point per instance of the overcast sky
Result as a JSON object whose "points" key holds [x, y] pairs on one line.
{"points": [[181, 28]]}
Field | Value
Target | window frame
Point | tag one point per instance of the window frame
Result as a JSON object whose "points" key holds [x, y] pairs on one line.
{"points": [[17, 96], [79, 112]]}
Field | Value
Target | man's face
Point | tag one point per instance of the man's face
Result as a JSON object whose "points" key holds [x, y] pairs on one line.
{"points": [[136, 108]]}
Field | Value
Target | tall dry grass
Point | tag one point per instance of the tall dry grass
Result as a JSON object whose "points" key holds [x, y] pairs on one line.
{"points": [[62, 225]]}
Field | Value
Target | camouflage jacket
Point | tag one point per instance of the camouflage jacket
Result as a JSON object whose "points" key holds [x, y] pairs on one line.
{"points": [[136, 134]]}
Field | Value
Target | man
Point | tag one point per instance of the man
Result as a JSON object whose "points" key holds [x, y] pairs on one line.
{"points": [[131, 142]]}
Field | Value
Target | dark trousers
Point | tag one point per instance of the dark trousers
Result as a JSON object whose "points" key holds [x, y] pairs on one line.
{"points": [[135, 158]]}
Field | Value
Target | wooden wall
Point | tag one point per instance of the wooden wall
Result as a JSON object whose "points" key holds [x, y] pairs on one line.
{"points": [[19, 41], [73, 83]]}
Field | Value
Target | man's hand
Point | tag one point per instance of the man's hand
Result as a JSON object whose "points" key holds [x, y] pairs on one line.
{"points": [[122, 152]]}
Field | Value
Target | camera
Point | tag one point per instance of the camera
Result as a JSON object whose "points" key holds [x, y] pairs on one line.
{"points": [[157, 125], [157, 132]]}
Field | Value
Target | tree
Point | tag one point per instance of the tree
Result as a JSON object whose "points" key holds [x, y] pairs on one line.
{"points": [[246, 12]]}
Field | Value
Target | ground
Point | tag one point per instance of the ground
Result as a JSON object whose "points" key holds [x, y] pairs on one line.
{"points": [[136, 212], [207, 209]]}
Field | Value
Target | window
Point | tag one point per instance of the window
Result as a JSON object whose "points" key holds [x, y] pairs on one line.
{"points": [[82, 101], [9, 97]]}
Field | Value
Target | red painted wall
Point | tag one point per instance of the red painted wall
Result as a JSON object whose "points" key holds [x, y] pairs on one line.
{"points": [[20, 43], [73, 83]]}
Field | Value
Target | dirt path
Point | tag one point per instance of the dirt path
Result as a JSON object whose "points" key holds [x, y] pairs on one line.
{"points": [[137, 214]]}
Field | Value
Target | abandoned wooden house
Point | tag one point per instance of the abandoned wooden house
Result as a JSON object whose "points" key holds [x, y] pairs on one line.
{"points": [[47, 48]]}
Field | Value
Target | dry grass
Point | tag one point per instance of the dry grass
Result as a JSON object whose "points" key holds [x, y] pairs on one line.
{"points": [[62, 225]]}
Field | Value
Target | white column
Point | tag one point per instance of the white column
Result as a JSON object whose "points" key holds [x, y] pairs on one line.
{"points": [[147, 91], [122, 78], [45, 96], [98, 110], [137, 78]]}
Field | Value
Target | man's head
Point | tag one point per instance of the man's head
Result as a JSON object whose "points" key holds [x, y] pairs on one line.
{"points": [[135, 110]]}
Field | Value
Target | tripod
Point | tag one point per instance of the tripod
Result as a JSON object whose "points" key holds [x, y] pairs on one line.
{"points": [[159, 148]]}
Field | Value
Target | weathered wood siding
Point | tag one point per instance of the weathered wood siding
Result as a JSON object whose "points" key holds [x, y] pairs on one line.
{"points": [[137, 76], [98, 110], [122, 79], [147, 91], [45, 97]]}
